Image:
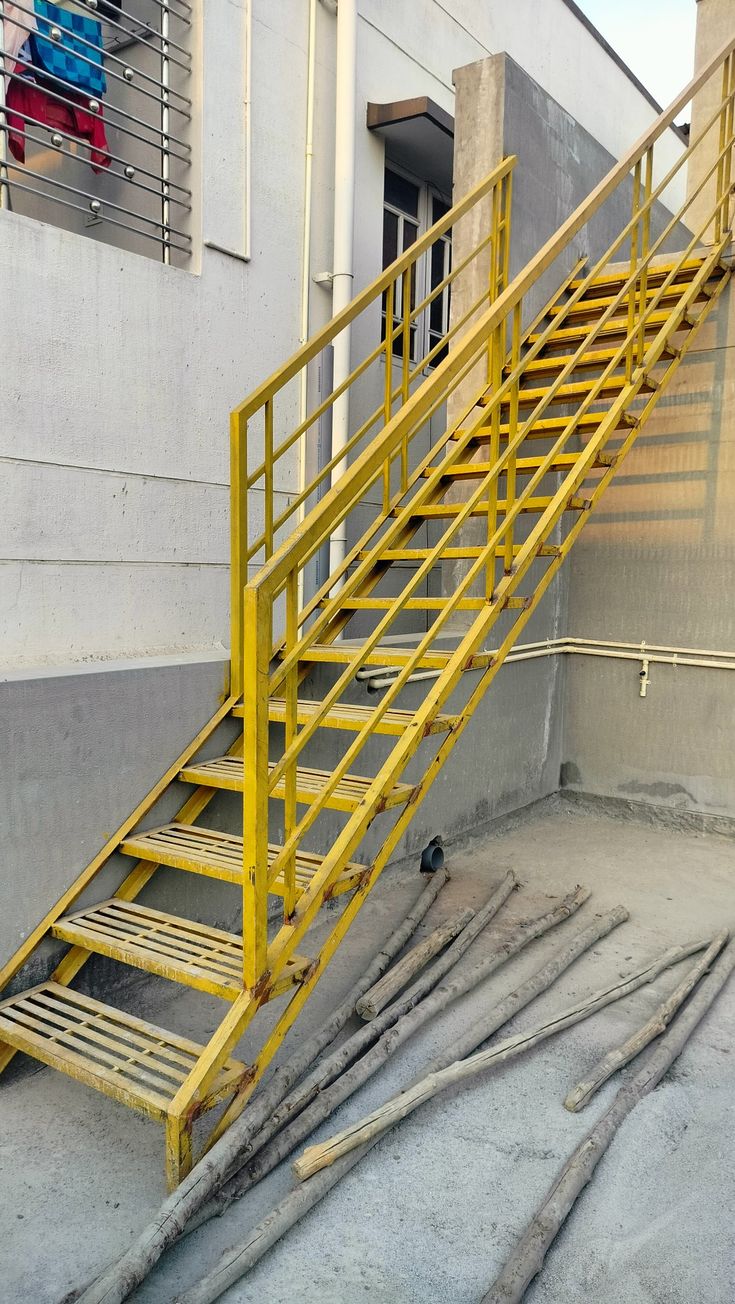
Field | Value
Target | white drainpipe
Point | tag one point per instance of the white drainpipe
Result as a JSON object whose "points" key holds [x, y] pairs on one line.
{"points": [[344, 211]]}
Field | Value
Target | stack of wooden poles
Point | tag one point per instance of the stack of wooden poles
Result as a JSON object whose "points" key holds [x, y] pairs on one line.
{"points": [[394, 998]]}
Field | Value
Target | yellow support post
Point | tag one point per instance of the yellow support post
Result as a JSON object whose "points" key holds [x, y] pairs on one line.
{"points": [[291, 699], [256, 663], [510, 493], [633, 292], [268, 495], [238, 543], [388, 383], [644, 251], [406, 284]]}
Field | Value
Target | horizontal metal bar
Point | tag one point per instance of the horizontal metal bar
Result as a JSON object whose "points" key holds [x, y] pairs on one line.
{"points": [[75, 140], [109, 72], [113, 221], [106, 203], [140, 25], [110, 107], [126, 131]]}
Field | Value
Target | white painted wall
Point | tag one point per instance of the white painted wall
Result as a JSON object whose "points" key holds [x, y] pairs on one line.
{"points": [[117, 374]]}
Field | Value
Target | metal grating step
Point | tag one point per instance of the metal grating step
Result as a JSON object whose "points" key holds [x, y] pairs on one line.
{"points": [[179, 949], [227, 772], [129, 1059], [220, 855], [347, 715]]}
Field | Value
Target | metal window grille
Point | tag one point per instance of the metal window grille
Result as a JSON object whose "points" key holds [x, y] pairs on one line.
{"points": [[112, 163]]}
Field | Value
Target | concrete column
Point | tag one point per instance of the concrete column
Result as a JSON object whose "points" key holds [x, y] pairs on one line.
{"points": [[715, 23], [478, 148], [479, 130]]}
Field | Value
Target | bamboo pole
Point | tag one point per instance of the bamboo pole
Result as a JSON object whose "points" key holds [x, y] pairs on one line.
{"points": [[581, 1095], [383, 991], [122, 1277], [400, 1106], [527, 1258], [327, 1099], [239, 1259]]}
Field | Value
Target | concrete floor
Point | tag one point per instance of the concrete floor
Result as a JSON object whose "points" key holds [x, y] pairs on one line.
{"points": [[432, 1212]]}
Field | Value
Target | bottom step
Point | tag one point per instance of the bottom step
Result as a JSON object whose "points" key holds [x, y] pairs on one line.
{"points": [[133, 1061]]}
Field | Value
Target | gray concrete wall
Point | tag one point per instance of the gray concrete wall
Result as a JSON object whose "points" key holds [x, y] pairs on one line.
{"points": [[656, 563], [81, 749]]}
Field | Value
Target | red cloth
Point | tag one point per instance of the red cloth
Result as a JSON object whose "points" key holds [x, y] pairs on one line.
{"points": [[25, 97]]}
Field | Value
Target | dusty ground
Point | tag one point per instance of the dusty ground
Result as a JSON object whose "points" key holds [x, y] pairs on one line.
{"points": [[431, 1213]]}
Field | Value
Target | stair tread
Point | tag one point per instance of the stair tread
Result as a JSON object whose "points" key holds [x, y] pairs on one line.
{"points": [[179, 949], [458, 470], [603, 301], [532, 504], [133, 1061], [220, 855], [571, 389], [656, 271], [343, 653], [541, 429], [351, 716], [615, 326], [227, 772], [451, 554]]}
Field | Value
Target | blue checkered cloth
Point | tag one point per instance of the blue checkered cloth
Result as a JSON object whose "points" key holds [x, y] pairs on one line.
{"points": [[60, 59]]}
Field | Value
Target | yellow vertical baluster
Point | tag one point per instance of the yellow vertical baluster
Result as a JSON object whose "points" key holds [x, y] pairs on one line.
{"points": [[720, 183], [388, 390], [256, 675], [645, 246], [238, 543], [268, 459], [291, 696], [729, 119], [633, 292], [510, 493], [405, 361]]}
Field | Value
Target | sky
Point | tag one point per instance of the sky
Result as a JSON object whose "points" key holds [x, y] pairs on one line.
{"points": [[654, 37]]}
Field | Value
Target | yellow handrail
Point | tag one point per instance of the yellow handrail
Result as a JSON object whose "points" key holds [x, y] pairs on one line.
{"points": [[314, 346]]}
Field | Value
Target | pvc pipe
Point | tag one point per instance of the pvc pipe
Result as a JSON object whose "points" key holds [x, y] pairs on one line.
{"points": [[647, 653], [306, 233], [342, 256]]}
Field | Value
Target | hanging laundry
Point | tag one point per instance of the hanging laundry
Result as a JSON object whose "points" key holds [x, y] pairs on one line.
{"points": [[17, 25], [27, 100], [76, 57]]}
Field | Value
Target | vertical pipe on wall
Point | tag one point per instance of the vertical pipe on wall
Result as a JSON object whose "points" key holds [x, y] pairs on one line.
{"points": [[306, 252], [344, 208]]}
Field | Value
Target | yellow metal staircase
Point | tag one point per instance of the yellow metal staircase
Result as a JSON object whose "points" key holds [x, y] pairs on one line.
{"points": [[541, 411]]}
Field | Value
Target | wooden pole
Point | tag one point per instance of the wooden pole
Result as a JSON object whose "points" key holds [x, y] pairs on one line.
{"points": [[528, 1256], [334, 1064], [326, 1100], [383, 991], [239, 1259], [122, 1277], [653, 1027], [400, 1106]]}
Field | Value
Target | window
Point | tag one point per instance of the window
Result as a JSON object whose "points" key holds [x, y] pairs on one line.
{"points": [[409, 209], [95, 115]]}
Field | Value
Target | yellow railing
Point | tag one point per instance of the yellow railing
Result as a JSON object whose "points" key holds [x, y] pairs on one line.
{"points": [[268, 614], [260, 419]]}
